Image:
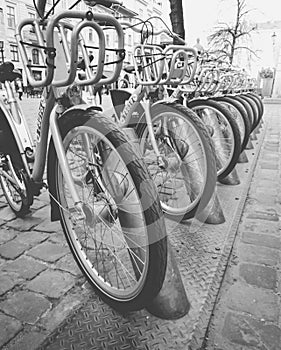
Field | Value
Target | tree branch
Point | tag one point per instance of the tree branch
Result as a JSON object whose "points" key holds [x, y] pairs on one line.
{"points": [[245, 48]]}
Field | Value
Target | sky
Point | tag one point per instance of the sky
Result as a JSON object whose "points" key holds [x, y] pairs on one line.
{"points": [[201, 15]]}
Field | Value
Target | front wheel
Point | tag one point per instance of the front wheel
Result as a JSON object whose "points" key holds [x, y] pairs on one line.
{"points": [[185, 173], [118, 235]]}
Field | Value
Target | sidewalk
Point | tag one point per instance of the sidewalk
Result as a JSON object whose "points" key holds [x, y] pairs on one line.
{"points": [[247, 312]]}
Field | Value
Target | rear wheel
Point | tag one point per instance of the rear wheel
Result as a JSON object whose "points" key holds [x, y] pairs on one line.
{"points": [[118, 237]]}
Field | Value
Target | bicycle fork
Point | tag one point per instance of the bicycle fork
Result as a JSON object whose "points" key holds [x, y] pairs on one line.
{"points": [[57, 139], [147, 109], [162, 161]]}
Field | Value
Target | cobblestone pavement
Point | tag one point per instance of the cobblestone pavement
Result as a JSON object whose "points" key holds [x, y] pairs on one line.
{"points": [[39, 280], [40, 284], [247, 312]]}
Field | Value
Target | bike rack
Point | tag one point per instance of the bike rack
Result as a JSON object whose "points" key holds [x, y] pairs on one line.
{"points": [[231, 179], [213, 213], [171, 302], [243, 157]]}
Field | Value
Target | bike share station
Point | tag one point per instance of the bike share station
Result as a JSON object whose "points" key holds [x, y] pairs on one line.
{"points": [[198, 255]]}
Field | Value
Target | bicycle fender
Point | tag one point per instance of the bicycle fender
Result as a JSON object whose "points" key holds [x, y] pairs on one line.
{"points": [[118, 98]]}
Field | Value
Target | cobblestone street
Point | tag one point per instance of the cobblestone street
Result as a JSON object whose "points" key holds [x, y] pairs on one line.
{"points": [[39, 280], [41, 286]]}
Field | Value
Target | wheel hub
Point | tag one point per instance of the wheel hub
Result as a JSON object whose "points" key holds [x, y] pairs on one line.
{"points": [[100, 211]]}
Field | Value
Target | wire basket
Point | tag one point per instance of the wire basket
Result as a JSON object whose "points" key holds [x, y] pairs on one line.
{"points": [[176, 64], [59, 40]]}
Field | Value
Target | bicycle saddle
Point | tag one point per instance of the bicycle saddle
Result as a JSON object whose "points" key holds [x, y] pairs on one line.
{"points": [[105, 3], [8, 72], [129, 69]]}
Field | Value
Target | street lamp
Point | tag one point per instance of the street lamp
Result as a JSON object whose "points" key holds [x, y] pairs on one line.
{"points": [[274, 38], [2, 50]]}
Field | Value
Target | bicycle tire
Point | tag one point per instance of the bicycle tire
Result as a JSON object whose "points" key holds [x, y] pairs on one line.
{"points": [[227, 152], [258, 104], [247, 107], [105, 201], [19, 201], [240, 108], [254, 108], [181, 199], [258, 99]]}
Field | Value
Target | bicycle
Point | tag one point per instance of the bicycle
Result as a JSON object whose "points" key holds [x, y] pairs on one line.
{"points": [[99, 187], [221, 123], [173, 140]]}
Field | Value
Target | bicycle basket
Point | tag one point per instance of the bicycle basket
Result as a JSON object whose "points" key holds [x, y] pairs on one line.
{"points": [[176, 64], [59, 42]]}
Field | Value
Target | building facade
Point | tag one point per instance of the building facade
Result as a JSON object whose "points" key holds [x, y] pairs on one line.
{"points": [[13, 11]]}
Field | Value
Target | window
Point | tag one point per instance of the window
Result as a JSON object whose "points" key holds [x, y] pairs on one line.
{"points": [[35, 56], [14, 53], [31, 15], [1, 15], [11, 17], [107, 40], [1, 51], [64, 4], [130, 39], [90, 35], [130, 57]]}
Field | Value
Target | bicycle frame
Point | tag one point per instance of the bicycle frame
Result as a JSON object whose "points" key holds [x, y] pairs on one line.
{"points": [[139, 97]]}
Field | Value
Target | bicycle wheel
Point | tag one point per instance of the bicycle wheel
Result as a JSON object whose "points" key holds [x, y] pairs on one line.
{"points": [[237, 110], [118, 238], [258, 99], [17, 198], [258, 103], [254, 109], [186, 174], [224, 131], [247, 107]]}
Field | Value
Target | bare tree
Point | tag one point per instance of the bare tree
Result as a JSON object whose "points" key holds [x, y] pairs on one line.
{"points": [[176, 17], [228, 39]]}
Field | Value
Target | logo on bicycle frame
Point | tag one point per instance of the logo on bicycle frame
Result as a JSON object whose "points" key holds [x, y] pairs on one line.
{"points": [[128, 105], [39, 117]]}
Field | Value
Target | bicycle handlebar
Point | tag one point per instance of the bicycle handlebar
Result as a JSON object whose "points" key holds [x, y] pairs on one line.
{"points": [[159, 32]]}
